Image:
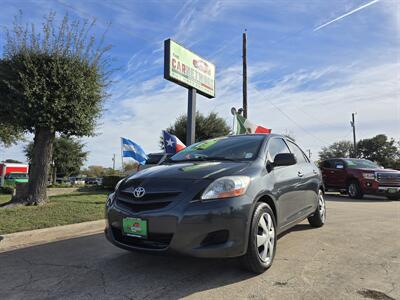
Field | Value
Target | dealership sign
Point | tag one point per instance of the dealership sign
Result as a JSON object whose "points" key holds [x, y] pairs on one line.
{"points": [[188, 69]]}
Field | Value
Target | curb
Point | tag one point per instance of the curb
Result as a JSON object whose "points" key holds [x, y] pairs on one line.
{"points": [[18, 240]]}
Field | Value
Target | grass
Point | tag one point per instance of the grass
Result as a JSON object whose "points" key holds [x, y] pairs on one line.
{"points": [[60, 210]]}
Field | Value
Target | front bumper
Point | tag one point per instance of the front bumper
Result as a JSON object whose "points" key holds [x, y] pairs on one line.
{"points": [[373, 187], [217, 228]]}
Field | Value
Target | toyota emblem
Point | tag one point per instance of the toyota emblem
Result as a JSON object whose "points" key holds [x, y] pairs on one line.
{"points": [[139, 192]]}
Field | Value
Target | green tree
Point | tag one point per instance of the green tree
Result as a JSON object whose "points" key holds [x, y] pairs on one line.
{"points": [[9, 134], [68, 155], [51, 82], [380, 149], [337, 149], [100, 171], [207, 127]]}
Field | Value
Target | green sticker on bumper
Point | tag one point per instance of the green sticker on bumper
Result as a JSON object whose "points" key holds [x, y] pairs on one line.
{"points": [[134, 227]]}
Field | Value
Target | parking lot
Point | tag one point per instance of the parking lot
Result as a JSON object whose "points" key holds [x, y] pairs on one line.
{"points": [[356, 255]]}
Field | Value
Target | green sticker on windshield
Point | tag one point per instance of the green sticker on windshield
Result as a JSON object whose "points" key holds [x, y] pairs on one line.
{"points": [[205, 145]]}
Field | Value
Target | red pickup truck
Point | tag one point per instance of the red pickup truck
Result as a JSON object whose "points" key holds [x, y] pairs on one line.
{"points": [[357, 177]]}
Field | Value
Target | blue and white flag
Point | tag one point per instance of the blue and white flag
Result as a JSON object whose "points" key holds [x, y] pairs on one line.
{"points": [[133, 150]]}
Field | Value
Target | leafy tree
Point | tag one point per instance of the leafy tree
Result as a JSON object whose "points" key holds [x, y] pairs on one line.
{"points": [[68, 155], [130, 167], [12, 161], [380, 149], [51, 82], [337, 149], [207, 127], [99, 171], [9, 134]]}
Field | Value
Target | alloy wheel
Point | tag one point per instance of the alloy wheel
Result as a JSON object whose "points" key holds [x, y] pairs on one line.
{"points": [[352, 189], [321, 206], [266, 238]]}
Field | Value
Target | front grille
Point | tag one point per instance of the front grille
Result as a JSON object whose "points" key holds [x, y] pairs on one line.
{"points": [[157, 241], [128, 195], [388, 179], [141, 206]]}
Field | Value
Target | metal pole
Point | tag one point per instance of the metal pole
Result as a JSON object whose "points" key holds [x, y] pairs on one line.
{"points": [[353, 124], [244, 75], [191, 117], [113, 159], [122, 156]]}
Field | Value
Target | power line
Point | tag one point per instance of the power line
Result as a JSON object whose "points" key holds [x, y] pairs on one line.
{"points": [[293, 121]]}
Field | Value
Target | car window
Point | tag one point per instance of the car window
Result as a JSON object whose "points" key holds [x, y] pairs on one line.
{"points": [[240, 147], [327, 164], [276, 146], [339, 164], [300, 156]]}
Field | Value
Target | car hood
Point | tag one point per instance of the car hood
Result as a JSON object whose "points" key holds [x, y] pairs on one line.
{"points": [[379, 170], [190, 170]]}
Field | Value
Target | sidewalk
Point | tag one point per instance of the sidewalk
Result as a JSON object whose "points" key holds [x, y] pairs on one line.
{"points": [[13, 241]]}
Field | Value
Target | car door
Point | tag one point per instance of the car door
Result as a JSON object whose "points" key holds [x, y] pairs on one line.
{"points": [[326, 166], [335, 175], [310, 181], [284, 183]]}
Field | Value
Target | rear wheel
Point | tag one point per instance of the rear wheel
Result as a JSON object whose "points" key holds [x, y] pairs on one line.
{"points": [[319, 216], [354, 190], [262, 240]]}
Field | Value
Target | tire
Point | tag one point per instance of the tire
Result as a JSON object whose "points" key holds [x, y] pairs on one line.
{"points": [[354, 190], [393, 197], [263, 233], [319, 217]]}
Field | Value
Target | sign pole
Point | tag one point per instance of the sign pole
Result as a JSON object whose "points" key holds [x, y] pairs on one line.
{"points": [[191, 117]]}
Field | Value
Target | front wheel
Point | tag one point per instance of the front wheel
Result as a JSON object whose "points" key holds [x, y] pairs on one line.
{"points": [[354, 190], [262, 240], [319, 217]]}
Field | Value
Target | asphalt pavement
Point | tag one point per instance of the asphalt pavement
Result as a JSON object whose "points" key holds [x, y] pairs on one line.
{"points": [[356, 255]]}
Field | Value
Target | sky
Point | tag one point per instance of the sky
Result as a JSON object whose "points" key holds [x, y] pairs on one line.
{"points": [[311, 64]]}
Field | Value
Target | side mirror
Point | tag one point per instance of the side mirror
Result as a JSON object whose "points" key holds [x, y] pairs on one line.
{"points": [[284, 159]]}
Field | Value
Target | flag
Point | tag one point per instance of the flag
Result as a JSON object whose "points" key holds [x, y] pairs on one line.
{"points": [[172, 144], [243, 125], [133, 150]]}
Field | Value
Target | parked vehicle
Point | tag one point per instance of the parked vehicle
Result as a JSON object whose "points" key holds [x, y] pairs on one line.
{"points": [[93, 181], [224, 197], [357, 177], [77, 181], [11, 173]]}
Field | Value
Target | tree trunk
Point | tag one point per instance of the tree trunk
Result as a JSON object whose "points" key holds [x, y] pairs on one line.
{"points": [[41, 158]]}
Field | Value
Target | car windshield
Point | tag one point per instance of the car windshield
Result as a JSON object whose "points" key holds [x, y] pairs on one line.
{"points": [[232, 148], [361, 163]]}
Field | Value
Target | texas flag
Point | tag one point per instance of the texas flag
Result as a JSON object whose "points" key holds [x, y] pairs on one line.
{"points": [[172, 144]]}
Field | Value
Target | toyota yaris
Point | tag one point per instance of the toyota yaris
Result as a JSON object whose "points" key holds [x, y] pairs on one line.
{"points": [[224, 197]]}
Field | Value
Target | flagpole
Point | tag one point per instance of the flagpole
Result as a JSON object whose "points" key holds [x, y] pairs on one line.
{"points": [[122, 156]]}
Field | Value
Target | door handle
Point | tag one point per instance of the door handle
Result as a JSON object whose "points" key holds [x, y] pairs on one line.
{"points": [[300, 174]]}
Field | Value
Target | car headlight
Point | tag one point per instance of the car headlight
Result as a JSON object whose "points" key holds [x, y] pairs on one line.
{"points": [[226, 187], [118, 184], [370, 176]]}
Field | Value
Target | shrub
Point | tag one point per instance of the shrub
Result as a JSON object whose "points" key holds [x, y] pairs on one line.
{"points": [[9, 190], [109, 182]]}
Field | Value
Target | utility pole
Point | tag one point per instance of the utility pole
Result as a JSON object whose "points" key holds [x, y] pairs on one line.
{"points": [[353, 124], [309, 153], [113, 160], [244, 74]]}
